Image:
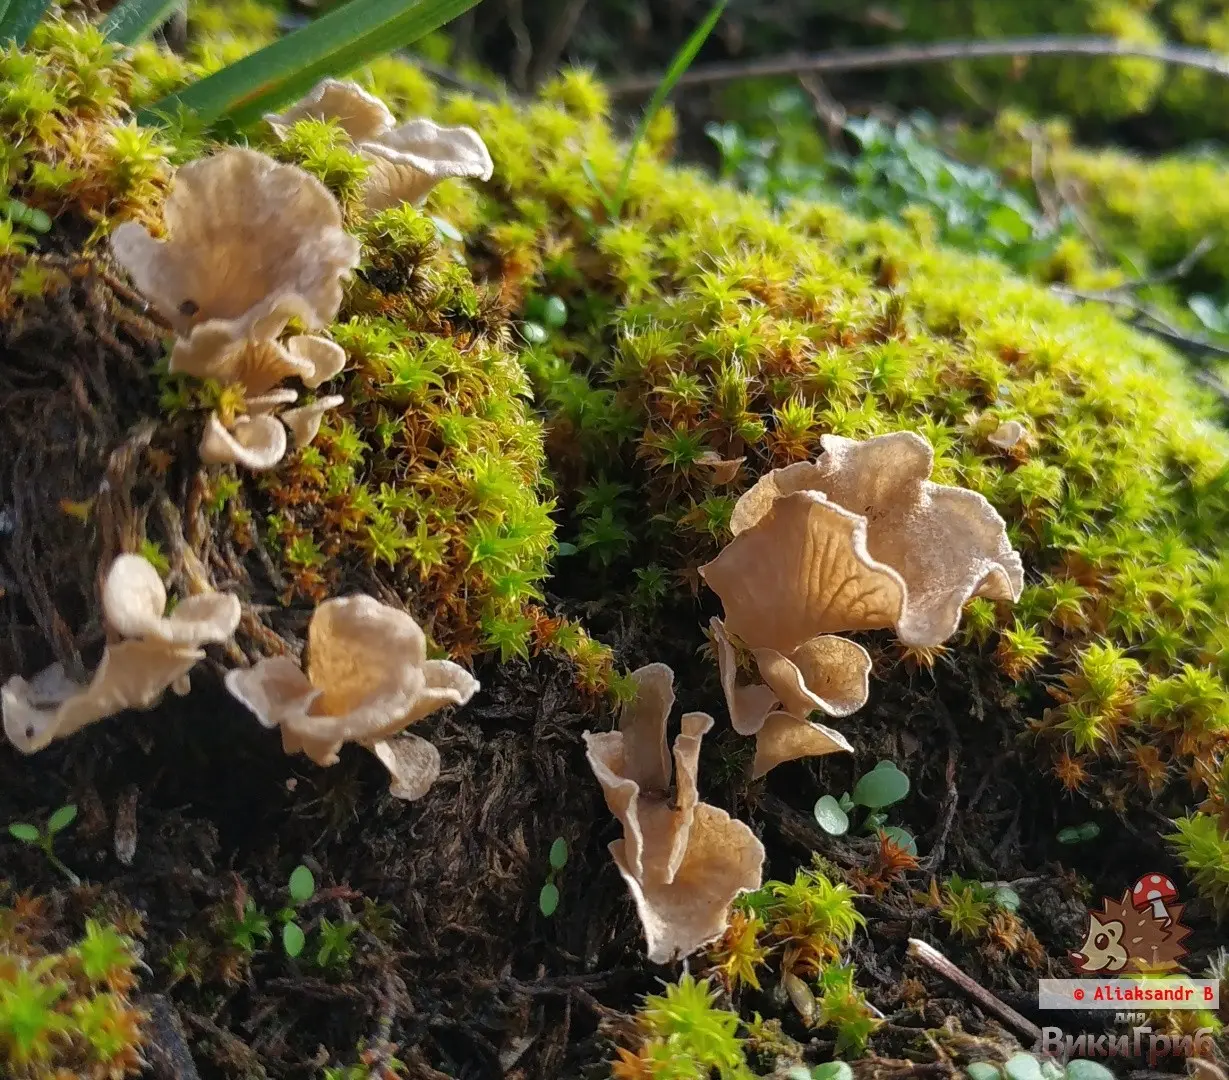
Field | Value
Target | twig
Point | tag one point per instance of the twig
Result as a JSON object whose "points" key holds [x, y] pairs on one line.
{"points": [[930, 957], [941, 52], [827, 108]]}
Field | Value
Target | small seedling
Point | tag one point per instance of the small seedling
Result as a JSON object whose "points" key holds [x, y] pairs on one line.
{"points": [[878, 789], [829, 1070], [302, 887], [44, 839], [548, 898], [244, 931], [335, 947], [1079, 834]]}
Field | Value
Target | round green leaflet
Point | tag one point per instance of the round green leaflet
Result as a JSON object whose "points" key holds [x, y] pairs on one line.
{"points": [[302, 884], [832, 1070], [24, 832], [832, 819], [902, 838], [982, 1070], [1022, 1067], [554, 312], [1083, 1069], [62, 819], [548, 899], [293, 939], [559, 853], [884, 785]]}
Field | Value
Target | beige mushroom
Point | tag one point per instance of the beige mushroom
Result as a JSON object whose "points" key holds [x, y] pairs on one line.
{"points": [[257, 442], [134, 599], [1008, 435], [367, 680], [258, 361], [684, 861], [724, 470], [860, 540], [249, 241], [408, 161], [132, 674], [304, 422], [362, 116], [271, 401], [827, 673]]}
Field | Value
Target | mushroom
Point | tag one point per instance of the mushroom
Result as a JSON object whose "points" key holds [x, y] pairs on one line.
{"points": [[132, 674], [829, 674], [367, 680], [255, 441], [724, 470], [684, 861], [304, 422], [1155, 890], [408, 161], [860, 539], [249, 241], [1007, 435], [362, 116], [405, 161], [258, 361]]}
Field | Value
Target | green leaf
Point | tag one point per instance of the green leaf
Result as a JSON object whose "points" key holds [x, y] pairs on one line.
{"points": [[902, 838], [554, 312], [884, 785], [559, 853], [1022, 1067], [302, 884], [1208, 312], [131, 20], [1007, 898], [18, 18], [61, 819], [681, 62], [284, 71], [27, 834], [564, 548], [1079, 834], [293, 939], [832, 819], [832, 1070], [446, 229], [548, 899], [534, 333], [982, 1070]]}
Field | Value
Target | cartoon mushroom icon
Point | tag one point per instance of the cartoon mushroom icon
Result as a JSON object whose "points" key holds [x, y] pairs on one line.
{"points": [[1154, 890]]}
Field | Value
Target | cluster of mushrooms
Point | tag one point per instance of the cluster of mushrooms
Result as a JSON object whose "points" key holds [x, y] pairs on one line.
{"points": [[860, 539], [252, 247]]}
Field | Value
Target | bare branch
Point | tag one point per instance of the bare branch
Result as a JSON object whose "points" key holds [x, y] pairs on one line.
{"points": [[940, 52]]}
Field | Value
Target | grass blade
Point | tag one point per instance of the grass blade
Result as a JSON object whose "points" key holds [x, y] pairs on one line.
{"points": [[334, 44], [18, 18], [681, 62], [131, 20]]}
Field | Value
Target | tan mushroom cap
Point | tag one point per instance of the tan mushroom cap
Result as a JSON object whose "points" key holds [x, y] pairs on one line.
{"points": [[134, 600], [684, 861], [367, 680], [909, 555], [274, 399], [257, 442], [724, 470], [749, 706], [1007, 435], [408, 161], [248, 237], [785, 738], [828, 673], [412, 762], [361, 115], [304, 422], [132, 675], [803, 570], [258, 362]]}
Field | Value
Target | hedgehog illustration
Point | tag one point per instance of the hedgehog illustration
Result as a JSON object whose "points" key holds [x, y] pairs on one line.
{"points": [[1131, 936]]}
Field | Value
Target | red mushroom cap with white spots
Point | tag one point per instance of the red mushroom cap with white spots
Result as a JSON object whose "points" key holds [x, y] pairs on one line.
{"points": [[1152, 887]]}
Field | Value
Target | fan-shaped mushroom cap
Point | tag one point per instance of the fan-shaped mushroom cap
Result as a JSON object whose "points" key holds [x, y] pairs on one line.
{"points": [[860, 539], [274, 399], [1007, 435], [684, 861], [304, 422], [412, 762], [361, 115], [828, 673], [408, 161], [247, 238], [256, 442], [749, 706], [723, 469], [132, 675], [367, 680], [785, 738], [257, 362], [134, 599]]}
